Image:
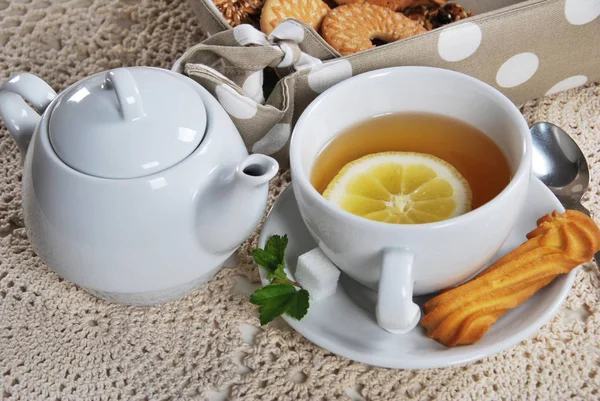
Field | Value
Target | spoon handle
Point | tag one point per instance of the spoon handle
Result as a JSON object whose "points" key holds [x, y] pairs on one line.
{"points": [[579, 207]]}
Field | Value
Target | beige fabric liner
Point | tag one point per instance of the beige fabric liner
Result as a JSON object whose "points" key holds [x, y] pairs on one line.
{"points": [[58, 342]]}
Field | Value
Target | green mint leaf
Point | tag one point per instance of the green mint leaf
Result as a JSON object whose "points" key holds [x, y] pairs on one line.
{"points": [[270, 312], [272, 257], [280, 296], [265, 259], [276, 246], [270, 293], [278, 273], [273, 300], [297, 307]]}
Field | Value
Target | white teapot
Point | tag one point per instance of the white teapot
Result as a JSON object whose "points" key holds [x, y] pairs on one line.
{"points": [[136, 183]]}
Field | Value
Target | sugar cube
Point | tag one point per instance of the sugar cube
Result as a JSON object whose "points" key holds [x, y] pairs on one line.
{"points": [[317, 274]]}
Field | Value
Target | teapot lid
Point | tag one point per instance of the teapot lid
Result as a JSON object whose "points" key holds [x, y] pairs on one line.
{"points": [[127, 123]]}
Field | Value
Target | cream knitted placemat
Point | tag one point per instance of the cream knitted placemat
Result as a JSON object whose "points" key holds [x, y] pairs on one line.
{"points": [[57, 342]]}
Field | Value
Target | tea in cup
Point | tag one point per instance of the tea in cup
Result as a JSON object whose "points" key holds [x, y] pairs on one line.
{"points": [[410, 179]]}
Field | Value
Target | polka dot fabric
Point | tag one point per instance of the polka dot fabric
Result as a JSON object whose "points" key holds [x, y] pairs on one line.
{"points": [[236, 105], [459, 42], [581, 12], [517, 70]]}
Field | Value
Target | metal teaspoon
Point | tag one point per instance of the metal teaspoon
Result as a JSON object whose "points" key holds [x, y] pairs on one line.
{"points": [[560, 164]]}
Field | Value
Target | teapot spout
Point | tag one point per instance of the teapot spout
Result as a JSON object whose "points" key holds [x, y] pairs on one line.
{"points": [[256, 170], [234, 209]]}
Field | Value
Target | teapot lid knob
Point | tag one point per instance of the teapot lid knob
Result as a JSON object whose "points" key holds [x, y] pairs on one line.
{"points": [[128, 94]]}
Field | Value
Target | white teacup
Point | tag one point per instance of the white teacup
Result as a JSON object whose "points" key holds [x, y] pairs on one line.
{"points": [[397, 260]]}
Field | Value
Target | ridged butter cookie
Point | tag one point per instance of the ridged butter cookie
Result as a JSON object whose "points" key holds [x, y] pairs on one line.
{"points": [[351, 28], [310, 12], [396, 5]]}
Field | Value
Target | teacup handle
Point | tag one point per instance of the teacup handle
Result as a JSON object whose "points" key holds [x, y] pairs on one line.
{"points": [[396, 312]]}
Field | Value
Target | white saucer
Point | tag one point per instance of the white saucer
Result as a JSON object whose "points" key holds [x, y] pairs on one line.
{"points": [[346, 325]]}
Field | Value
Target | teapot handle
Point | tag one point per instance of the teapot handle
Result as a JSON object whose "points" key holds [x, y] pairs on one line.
{"points": [[31, 88], [19, 117]]}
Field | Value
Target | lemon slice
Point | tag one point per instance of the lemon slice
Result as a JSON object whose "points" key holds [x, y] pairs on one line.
{"points": [[400, 188]]}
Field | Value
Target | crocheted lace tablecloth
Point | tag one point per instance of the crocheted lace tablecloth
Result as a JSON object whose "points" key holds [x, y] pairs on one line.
{"points": [[59, 342]]}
